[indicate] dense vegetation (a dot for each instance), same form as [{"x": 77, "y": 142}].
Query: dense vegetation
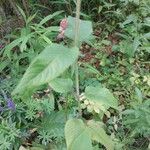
[{"x": 74, "y": 84}]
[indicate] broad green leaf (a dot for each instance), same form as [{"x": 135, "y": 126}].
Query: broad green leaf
[
  {"x": 76, "y": 135},
  {"x": 85, "y": 31},
  {"x": 98, "y": 134},
  {"x": 61, "y": 85},
  {"x": 101, "y": 96},
  {"x": 47, "y": 66}
]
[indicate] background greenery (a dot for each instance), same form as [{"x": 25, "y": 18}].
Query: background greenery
[{"x": 116, "y": 57}]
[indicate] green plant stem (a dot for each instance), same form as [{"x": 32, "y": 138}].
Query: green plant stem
[
  {"x": 77, "y": 80},
  {"x": 66, "y": 107},
  {"x": 76, "y": 43},
  {"x": 77, "y": 23}
]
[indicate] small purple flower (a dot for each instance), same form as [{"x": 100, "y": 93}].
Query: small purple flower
[{"x": 11, "y": 104}]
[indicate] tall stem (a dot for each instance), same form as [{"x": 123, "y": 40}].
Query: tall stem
[
  {"x": 77, "y": 22},
  {"x": 76, "y": 42}
]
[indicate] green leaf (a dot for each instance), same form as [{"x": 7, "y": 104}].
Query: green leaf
[
  {"x": 22, "y": 13},
  {"x": 4, "y": 64},
  {"x": 61, "y": 85},
  {"x": 25, "y": 39},
  {"x": 46, "y": 39},
  {"x": 76, "y": 135},
  {"x": 10, "y": 46},
  {"x": 98, "y": 134},
  {"x": 139, "y": 95},
  {"x": 131, "y": 18},
  {"x": 47, "y": 66},
  {"x": 90, "y": 69},
  {"x": 101, "y": 96},
  {"x": 85, "y": 31},
  {"x": 43, "y": 21},
  {"x": 127, "y": 47},
  {"x": 136, "y": 44},
  {"x": 30, "y": 18},
  {"x": 20, "y": 41},
  {"x": 147, "y": 35}
]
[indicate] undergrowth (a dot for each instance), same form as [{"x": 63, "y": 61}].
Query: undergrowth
[{"x": 73, "y": 84}]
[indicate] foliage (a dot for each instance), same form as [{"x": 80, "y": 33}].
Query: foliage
[
  {"x": 84, "y": 27},
  {"x": 137, "y": 118},
  {"x": 79, "y": 138},
  {"x": 58, "y": 93},
  {"x": 48, "y": 65}
]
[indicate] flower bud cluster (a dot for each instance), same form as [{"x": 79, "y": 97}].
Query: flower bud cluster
[
  {"x": 91, "y": 106},
  {"x": 63, "y": 26}
]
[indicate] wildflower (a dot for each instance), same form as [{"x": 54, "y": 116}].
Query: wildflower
[
  {"x": 63, "y": 24},
  {"x": 11, "y": 104},
  {"x": 63, "y": 27}
]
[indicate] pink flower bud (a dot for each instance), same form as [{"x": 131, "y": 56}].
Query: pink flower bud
[
  {"x": 62, "y": 28},
  {"x": 64, "y": 24}
]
